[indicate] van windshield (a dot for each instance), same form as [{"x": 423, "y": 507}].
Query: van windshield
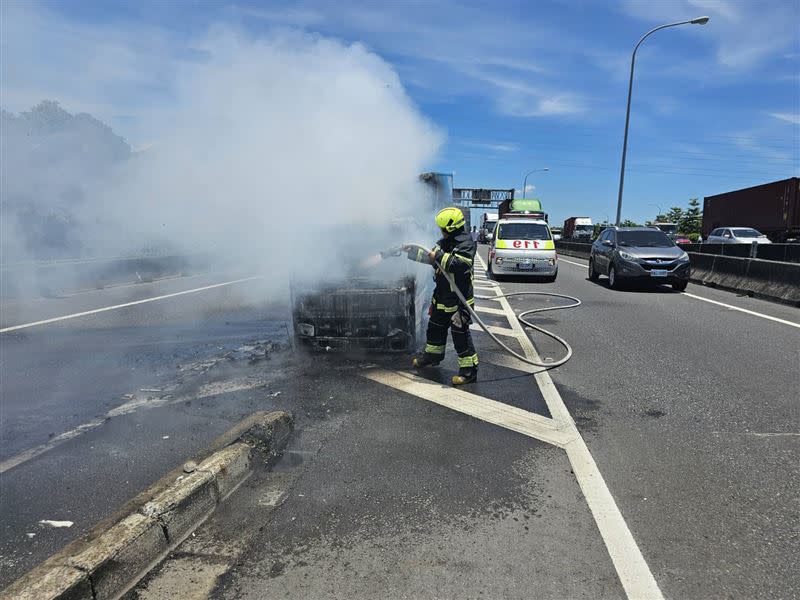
[{"x": 523, "y": 231}]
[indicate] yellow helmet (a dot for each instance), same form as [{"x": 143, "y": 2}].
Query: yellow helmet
[{"x": 449, "y": 219}]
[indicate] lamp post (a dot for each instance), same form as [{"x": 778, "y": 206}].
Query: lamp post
[
  {"x": 658, "y": 208},
  {"x": 697, "y": 21},
  {"x": 525, "y": 183}
]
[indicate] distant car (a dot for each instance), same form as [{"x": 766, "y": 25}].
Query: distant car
[
  {"x": 556, "y": 233},
  {"x": 737, "y": 235},
  {"x": 638, "y": 254},
  {"x": 682, "y": 240}
]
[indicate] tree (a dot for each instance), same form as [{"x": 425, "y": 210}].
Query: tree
[
  {"x": 629, "y": 223},
  {"x": 674, "y": 214},
  {"x": 691, "y": 220}
]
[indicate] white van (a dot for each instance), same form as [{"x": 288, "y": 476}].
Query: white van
[{"x": 523, "y": 247}]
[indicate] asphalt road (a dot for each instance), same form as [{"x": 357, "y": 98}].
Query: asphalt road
[
  {"x": 688, "y": 409},
  {"x": 96, "y": 408}
]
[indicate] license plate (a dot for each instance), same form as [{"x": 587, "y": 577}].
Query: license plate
[
  {"x": 658, "y": 273},
  {"x": 525, "y": 266}
]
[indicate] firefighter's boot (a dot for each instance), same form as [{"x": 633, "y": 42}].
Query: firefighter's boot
[
  {"x": 421, "y": 362},
  {"x": 466, "y": 376}
]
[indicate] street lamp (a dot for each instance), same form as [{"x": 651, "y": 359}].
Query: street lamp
[
  {"x": 658, "y": 208},
  {"x": 525, "y": 183},
  {"x": 697, "y": 21}
]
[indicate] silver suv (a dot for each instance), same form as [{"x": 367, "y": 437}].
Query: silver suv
[{"x": 638, "y": 254}]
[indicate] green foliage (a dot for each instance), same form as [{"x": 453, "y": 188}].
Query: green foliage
[
  {"x": 694, "y": 237},
  {"x": 629, "y": 223},
  {"x": 674, "y": 215},
  {"x": 692, "y": 219},
  {"x": 599, "y": 227}
]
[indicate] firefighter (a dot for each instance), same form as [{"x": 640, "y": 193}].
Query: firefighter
[{"x": 456, "y": 253}]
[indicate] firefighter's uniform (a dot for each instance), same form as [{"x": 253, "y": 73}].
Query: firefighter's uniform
[{"x": 456, "y": 253}]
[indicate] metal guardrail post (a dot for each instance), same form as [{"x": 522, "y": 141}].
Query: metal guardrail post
[{"x": 753, "y": 249}]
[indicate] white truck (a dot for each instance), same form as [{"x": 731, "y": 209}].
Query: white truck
[
  {"x": 577, "y": 228},
  {"x": 486, "y": 233}
]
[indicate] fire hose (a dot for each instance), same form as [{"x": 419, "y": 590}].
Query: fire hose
[{"x": 520, "y": 316}]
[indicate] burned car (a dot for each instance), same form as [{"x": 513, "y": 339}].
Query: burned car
[
  {"x": 372, "y": 305},
  {"x": 357, "y": 313}
]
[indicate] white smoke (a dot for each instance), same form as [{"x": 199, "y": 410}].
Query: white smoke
[{"x": 275, "y": 151}]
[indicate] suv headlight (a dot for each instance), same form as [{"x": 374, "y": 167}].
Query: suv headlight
[
  {"x": 683, "y": 257},
  {"x": 626, "y": 256}
]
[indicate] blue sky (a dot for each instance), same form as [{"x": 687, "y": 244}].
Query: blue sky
[{"x": 513, "y": 85}]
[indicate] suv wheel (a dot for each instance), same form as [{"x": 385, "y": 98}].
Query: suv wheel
[
  {"x": 593, "y": 274},
  {"x": 679, "y": 286},
  {"x": 613, "y": 282}
]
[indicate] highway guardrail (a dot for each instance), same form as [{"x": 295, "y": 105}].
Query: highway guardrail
[
  {"x": 769, "y": 279},
  {"x": 778, "y": 252}
]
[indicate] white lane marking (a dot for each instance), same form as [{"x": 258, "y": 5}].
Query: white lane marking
[
  {"x": 495, "y": 330},
  {"x": 491, "y": 311},
  {"x": 125, "y": 305},
  {"x": 572, "y": 263},
  {"x": 744, "y": 310},
  {"x": 501, "y": 359},
  {"x": 206, "y": 391},
  {"x": 27, "y": 455},
  {"x": 491, "y": 411},
  {"x": 632, "y": 569},
  {"x": 729, "y": 306}
]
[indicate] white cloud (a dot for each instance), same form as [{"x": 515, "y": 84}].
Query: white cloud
[
  {"x": 493, "y": 147},
  {"x": 528, "y": 188},
  {"x": 793, "y": 118},
  {"x": 447, "y": 48}
]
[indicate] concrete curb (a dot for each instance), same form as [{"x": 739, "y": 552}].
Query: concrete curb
[{"x": 120, "y": 551}]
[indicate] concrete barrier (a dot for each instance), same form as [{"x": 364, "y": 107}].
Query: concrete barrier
[
  {"x": 576, "y": 249},
  {"x": 772, "y": 280},
  {"x": 119, "y": 552},
  {"x": 777, "y": 252},
  {"x": 768, "y": 279}
]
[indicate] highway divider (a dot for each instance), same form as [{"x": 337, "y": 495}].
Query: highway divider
[
  {"x": 778, "y": 252},
  {"x": 54, "y": 277},
  {"x": 117, "y": 553},
  {"x": 769, "y": 279}
]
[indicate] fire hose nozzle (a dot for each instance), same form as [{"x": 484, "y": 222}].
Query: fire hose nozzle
[{"x": 392, "y": 252}]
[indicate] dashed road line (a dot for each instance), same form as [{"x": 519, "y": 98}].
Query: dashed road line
[{"x": 124, "y": 305}]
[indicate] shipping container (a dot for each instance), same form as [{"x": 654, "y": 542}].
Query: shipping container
[{"x": 772, "y": 208}]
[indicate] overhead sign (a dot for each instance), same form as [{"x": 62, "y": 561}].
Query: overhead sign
[{"x": 480, "y": 196}]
